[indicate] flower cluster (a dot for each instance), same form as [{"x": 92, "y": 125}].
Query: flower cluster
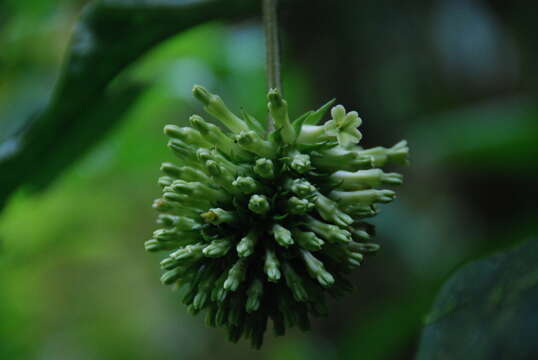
[{"x": 262, "y": 225}]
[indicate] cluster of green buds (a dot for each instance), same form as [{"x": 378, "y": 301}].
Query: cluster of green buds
[{"x": 261, "y": 224}]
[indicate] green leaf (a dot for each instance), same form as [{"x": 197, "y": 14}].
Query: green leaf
[
  {"x": 386, "y": 328},
  {"x": 252, "y": 122},
  {"x": 500, "y": 135},
  {"x": 105, "y": 115},
  {"x": 275, "y": 136},
  {"x": 298, "y": 123},
  {"x": 487, "y": 310},
  {"x": 317, "y": 146},
  {"x": 314, "y": 117},
  {"x": 110, "y": 35}
]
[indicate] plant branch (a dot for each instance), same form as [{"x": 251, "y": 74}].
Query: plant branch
[{"x": 272, "y": 54}]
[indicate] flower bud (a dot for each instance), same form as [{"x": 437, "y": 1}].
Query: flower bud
[
  {"x": 250, "y": 141},
  {"x": 171, "y": 170},
  {"x": 246, "y": 184},
  {"x": 364, "y": 179},
  {"x": 360, "y": 234},
  {"x": 331, "y": 233},
  {"x": 215, "y": 107},
  {"x": 299, "y": 162},
  {"x": 187, "y": 135},
  {"x": 282, "y": 235},
  {"x": 278, "y": 108},
  {"x": 165, "y": 235},
  {"x": 295, "y": 283},
  {"x": 165, "y": 181},
  {"x": 198, "y": 190},
  {"x": 218, "y": 294},
  {"x": 271, "y": 266},
  {"x": 188, "y": 252},
  {"x": 245, "y": 247},
  {"x": 153, "y": 245},
  {"x": 329, "y": 211},
  {"x": 171, "y": 276},
  {"x": 313, "y": 134},
  {"x": 264, "y": 168},
  {"x": 364, "y": 197},
  {"x": 338, "y": 158},
  {"x": 217, "y": 248},
  {"x": 364, "y": 247},
  {"x": 204, "y": 292},
  {"x": 236, "y": 275},
  {"x": 186, "y": 223},
  {"x": 162, "y": 205},
  {"x": 259, "y": 204},
  {"x": 299, "y": 206},
  {"x": 308, "y": 240},
  {"x": 221, "y": 176},
  {"x": 398, "y": 154},
  {"x": 218, "y": 138},
  {"x": 316, "y": 269},
  {"x": 300, "y": 187},
  {"x": 217, "y": 216},
  {"x": 254, "y": 294}
]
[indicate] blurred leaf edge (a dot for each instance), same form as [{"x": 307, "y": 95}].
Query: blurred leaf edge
[
  {"x": 482, "y": 305},
  {"x": 102, "y": 45}
]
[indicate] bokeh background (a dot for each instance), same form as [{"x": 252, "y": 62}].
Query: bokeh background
[{"x": 456, "y": 78}]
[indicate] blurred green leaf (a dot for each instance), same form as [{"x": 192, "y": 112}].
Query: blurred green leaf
[
  {"x": 314, "y": 117},
  {"x": 86, "y": 132},
  {"x": 389, "y": 327},
  {"x": 502, "y": 134},
  {"x": 110, "y": 35},
  {"x": 486, "y": 310}
]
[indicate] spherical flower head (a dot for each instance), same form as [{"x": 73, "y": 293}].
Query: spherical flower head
[{"x": 262, "y": 226}]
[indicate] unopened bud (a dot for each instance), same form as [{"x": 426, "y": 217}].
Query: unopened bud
[
  {"x": 271, "y": 266},
  {"x": 251, "y": 141},
  {"x": 300, "y": 162},
  {"x": 236, "y": 275},
  {"x": 216, "y": 107},
  {"x": 308, "y": 240},
  {"x": 254, "y": 294},
  {"x": 259, "y": 204},
  {"x": 264, "y": 168},
  {"x": 217, "y": 248},
  {"x": 299, "y": 206},
  {"x": 282, "y": 235},
  {"x": 246, "y": 245},
  {"x": 217, "y": 216},
  {"x": 245, "y": 184}
]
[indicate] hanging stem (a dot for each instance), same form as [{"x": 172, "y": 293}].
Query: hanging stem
[{"x": 272, "y": 54}]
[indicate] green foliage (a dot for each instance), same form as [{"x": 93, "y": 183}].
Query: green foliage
[
  {"x": 499, "y": 135},
  {"x": 486, "y": 310},
  {"x": 94, "y": 59}
]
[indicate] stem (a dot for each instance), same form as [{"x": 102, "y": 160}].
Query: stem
[{"x": 272, "y": 55}]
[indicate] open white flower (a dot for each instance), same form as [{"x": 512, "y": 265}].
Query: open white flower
[{"x": 344, "y": 126}]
